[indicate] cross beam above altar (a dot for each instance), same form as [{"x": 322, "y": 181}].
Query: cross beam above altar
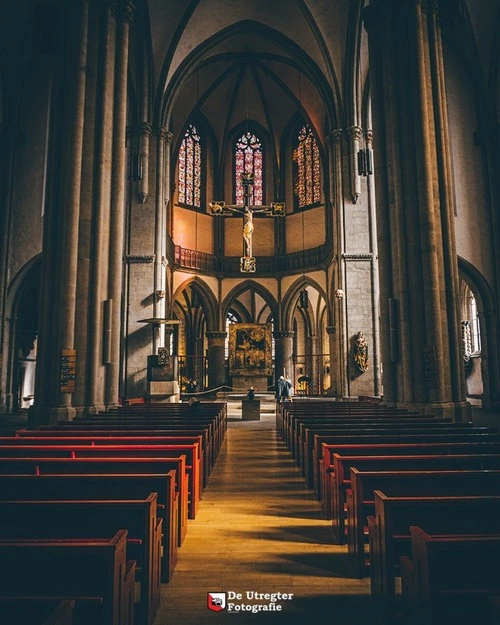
[{"x": 275, "y": 209}]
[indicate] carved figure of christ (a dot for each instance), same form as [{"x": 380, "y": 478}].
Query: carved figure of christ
[{"x": 275, "y": 209}]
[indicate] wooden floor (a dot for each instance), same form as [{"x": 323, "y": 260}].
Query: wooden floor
[{"x": 259, "y": 529}]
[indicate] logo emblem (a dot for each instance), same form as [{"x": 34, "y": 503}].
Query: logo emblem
[{"x": 216, "y": 601}]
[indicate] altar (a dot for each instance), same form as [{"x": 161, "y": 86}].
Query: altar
[{"x": 250, "y": 357}]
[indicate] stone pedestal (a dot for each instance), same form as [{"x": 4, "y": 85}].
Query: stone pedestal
[
  {"x": 163, "y": 391},
  {"x": 250, "y": 409}
]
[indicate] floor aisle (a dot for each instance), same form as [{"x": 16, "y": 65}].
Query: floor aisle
[{"x": 260, "y": 529}]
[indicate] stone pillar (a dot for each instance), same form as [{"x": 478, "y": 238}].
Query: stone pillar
[
  {"x": 60, "y": 253},
  {"x": 354, "y": 134},
  {"x": 123, "y": 10},
  {"x": 313, "y": 356},
  {"x": 167, "y": 183},
  {"x": 100, "y": 207},
  {"x": 216, "y": 359},
  {"x": 144, "y": 132},
  {"x": 334, "y": 364},
  {"x": 418, "y": 264},
  {"x": 339, "y": 316},
  {"x": 283, "y": 354},
  {"x": 375, "y": 278},
  {"x": 159, "y": 308}
]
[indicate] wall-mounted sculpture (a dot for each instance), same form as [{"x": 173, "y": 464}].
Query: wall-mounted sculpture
[{"x": 361, "y": 352}]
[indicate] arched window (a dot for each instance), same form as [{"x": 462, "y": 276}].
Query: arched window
[
  {"x": 189, "y": 181},
  {"x": 249, "y": 157},
  {"x": 307, "y": 180}
]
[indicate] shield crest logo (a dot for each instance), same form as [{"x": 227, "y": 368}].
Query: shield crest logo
[{"x": 216, "y": 601}]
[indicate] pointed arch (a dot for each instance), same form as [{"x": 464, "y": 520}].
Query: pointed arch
[
  {"x": 255, "y": 287},
  {"x": 206, "y": 298},
  {"x": 488, "y": 315},
  {"x": 291, "y": 298}
]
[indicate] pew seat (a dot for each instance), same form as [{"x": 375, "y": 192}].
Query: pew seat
[
  {"x": 449, "y": 579},
  {"x": 72, "y": 569}
]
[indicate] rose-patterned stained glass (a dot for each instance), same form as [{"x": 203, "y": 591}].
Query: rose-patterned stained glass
[
  {"x": 189, "y": 179},
  {"x": 249, "y": 158},
  {"x": 307, "y": 183}
]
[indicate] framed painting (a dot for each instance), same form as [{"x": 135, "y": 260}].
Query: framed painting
[{"x": 250, "y": 349}]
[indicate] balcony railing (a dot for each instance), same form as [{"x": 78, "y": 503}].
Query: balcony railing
[{"x": 186, "y": 259}]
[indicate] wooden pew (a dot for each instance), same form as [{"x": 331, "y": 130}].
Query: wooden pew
[
  {"x": 95, "y": 568},
  {"x": 288, "y": 413},
  {"x": 305, "y": 444},
  {"x": 340, "y": 476},
  {"x": 108, "y": 466},
  {"x": 118, "y": 451},
  {"x": 106, "y": 487},
  {"x": 146, "y": 435},
  {"x": 36, "y": 611},
  {"x": 389, "y": 535},
  {"x": 315, "y": 437},
  {"x": 360, "y": 502},
  {"x": 67, "y": 519},
  {"x": 195, "y": 439},
  {"x": 450, "y": 578},
  {"x": 326, "y": 465}
]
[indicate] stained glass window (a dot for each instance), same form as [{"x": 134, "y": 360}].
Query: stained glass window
[
  {"x": 249, "y": 157},
  {"x": 189, "y": 182},
  {"x": 307, "y": 183}
]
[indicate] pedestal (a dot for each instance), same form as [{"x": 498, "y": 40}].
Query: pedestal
[
  {"x": 163, "y": 391},
  {"x": 250, "y": 409}
]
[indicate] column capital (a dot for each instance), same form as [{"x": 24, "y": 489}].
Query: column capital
[
  {"x": 165, "y": 134},
  {"x": 216, "y": 335},
  {"x": 123, "y": 10},
  {"x": 285, "y": 334},
  {"x": 335, "y": 136},
  {"x": 331, "y": 330},
  {"x": 369, "y": 138},
  {"x": 355, "y": 132},
  {"x": 144, "y": 128}
]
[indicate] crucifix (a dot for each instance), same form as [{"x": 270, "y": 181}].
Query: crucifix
[{"x": 275, "y": 209}]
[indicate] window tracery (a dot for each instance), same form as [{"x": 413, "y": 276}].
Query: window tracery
[
  {"x": 189, "y": 175},
  {"x": 307, "y": 177}
]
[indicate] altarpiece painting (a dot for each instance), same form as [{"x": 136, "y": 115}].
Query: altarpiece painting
[{"x": 250, "y": 349}]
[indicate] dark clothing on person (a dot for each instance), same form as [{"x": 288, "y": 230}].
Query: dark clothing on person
[{"x": 283, "y": 387}]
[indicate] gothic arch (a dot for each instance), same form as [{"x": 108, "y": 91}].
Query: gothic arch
[
  {"x": 255, "y": 287},
  {"x": 206, "y": 299},
  {"x": 292, "y": 295},
  {"x": 166, "y": 93},
  {"x": 488, "y": 316},
  {"x": 23, "y": 330}
]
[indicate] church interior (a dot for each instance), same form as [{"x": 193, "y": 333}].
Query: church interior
[{"x": 201, "y": 199}]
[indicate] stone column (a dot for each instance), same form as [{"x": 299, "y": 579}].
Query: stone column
[
  {"x": 414, "y": 210},
  {"x": 159, "y": 307},
  {"x": 340, "y": 344},
  {"x": 216, "y": 359},
  {"x": 377, "y": 378},
  {"x": 283, "y": 354},
  {"x": 99, "y": 222},
  {"x": 354, "y": 134},
  {"x": 166, "y": 182},
  {"x": 313, "y": 357},
  {"x": 334, "y": 364},
  {"x": 60, "y": 254},
  {"x": 144, "y": 132},
  {"x": 123, "y": 10}
]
